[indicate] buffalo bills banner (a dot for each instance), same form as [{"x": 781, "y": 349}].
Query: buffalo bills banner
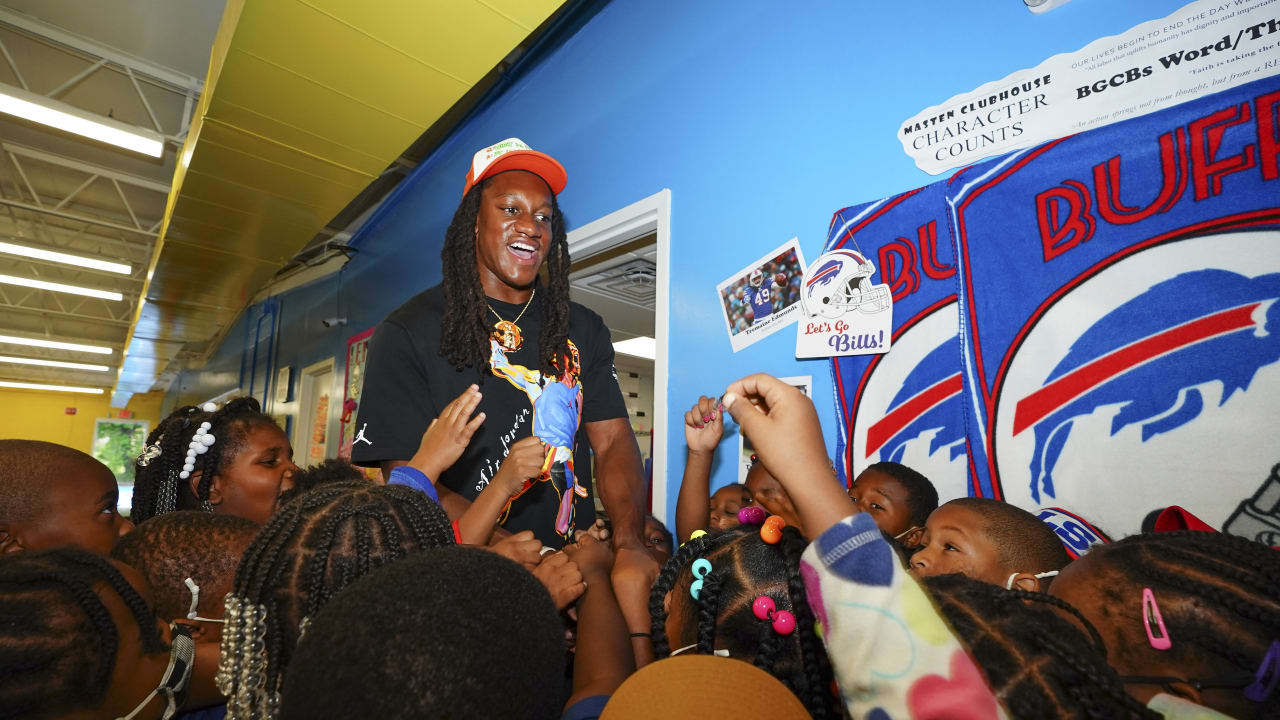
[
  {"x": 1204, "y": 47},
  {"x": 905, "y": 406},
  {"x": 1113, "y": 320}
]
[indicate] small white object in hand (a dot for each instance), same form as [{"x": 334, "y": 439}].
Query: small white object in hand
[{"x": 209, "y": 407}]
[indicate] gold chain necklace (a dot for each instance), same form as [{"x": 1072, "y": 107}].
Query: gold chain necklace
[{"x": 507, "y": 332}]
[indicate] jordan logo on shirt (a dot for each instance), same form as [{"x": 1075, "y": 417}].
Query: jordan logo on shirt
[{"x": 360, "y": 436}]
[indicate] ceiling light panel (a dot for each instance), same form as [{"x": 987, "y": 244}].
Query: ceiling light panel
[
  {"x": 59, "y": 287},
  {"x": 54, "y": 344},
  {"x": 52, "y": 363},
  {"x": 64, "y": 258},
  {"x": 645, "y": 347},
  {"x": 39, "y": 109},
  {"x": 55, "y": 388}
]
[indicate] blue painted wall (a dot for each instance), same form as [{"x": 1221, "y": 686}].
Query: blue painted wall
[{"x": 762, "y": 118}]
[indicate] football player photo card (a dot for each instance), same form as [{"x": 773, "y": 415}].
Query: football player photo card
[
  {"x": 746, "y": 453},
  {"x": 763, "y": 297},
  {"x": 844, "y": 311}
]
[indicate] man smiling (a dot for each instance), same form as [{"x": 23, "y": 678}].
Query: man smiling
[{"x": 543, "y": 363}]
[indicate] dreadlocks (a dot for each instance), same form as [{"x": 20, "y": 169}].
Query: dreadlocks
[
  {"x": 464, "y": 337},
  {"x": 744, "y": 567},
  {"x": 58, "y": 642},
  {"x": 158, "y": 489},
  {"x": 1219, "y": 596},
  {"x": 1037, "y": 661},
  {"x": 312, "y": 548}
]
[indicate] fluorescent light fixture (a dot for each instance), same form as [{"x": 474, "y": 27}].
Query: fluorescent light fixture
[
  {"x": 59, "y": 287},
  {"x": 52, "y": 363},
  {"x": 56, "y": 388},
  {"x": 645, "y": 347},
  {"x": 54, "y": 344},
  {"x": 51, "y": 256},
  {"x": 57, "y": 114}
]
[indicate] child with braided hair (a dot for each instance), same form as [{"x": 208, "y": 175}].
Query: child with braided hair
[
  {"x": 1192, "y": 615},
  {"x": 234, "y": 460},
  {"x": 716, "y": 595},
  {"x": 316, "y": 545},
  {"x": 1040, "y": 656},
  {"x": 79, "y": 639}
]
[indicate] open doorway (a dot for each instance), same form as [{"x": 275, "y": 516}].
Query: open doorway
[{"x": 620, "y": 271}]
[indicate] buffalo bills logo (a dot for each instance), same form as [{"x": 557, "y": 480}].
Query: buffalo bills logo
[
  {"x": 824, "y": 276},
  {"x": 1150, "y": 355},
  {"x": 1152, "y": 381},
  {"x": 911, "y": 407},
  {"x": 928, "y": 403}
]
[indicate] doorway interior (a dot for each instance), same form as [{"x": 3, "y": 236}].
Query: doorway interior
[{"x": 620, "y": 270}]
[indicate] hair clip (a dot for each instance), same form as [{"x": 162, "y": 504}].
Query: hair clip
[
  {"x": 200, "y": 443},
  {"x": 1150, "y": 614},
  {"x": 195, "y": 600},
  {"x": 784, "y": 623},
  {"x": 771, "y": 530},
  {"x": 703, "y": 565},
  {"x": 149, "y": 453},
  {"x": 751, "y": 515},
  {"x": 1268, "y": 675},
  {"x": 697, "y": 534},
  {"x": 1008, "y": 584}
]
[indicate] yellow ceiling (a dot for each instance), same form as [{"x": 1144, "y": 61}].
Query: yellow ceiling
[{"x": 306, "y": 103}]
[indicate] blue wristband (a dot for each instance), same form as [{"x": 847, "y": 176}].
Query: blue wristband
[{"x": 414, "y": 478}]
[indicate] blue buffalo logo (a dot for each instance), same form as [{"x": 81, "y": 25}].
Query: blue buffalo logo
[
  {"x": 1149, "y": 355},
  {"x": 825, "y": 275},
  {"x": 928, "y": 400}
]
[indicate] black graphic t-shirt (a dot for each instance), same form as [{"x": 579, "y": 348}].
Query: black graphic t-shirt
[{"x": 407, "y": 384}]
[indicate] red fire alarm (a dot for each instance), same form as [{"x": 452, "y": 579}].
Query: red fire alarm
[
  {"x": 70, "y": 411},
  {"x": 124, "y": 414}
]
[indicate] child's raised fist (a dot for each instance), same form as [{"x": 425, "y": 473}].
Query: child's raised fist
[
  {"x": 594, "y": 558},
  {"x": 562, "y": 578},
  {"x": 522, "y": 465}
]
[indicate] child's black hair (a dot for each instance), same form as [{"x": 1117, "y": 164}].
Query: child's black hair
[
  {"x": 1219, "y": 596},
  {"x": 310, "y": 550},
  {"x": 922, "y": 496},
  {"x": 329, "y": 472},
  {"x": 456, "y": 633},
  {"x": 169, "y": 548},
  {"x": 26, "y": 467},
  {"x": 1025, "y": 542},
  {"x": 745, "y": 567},
  {"x": 158, "y": 489},
  {"x": 58, "y": 642},
  {"x": 1037, "y": 662}
]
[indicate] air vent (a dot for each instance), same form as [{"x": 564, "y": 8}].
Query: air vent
[{"x": 632, "y": 282}]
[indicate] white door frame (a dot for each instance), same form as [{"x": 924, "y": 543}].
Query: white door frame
[
  {"x": 650, "y": 215},
  {"x": 302, "y": 429}
]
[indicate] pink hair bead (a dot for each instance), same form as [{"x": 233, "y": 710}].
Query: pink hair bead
[
  {"x": 784, "y": 623},
  {"x": 751, "y": 515},
  {"x": 763, "y": 607}
]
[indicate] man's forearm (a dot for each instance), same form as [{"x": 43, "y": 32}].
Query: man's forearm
[{"x": 622, "y": 491}]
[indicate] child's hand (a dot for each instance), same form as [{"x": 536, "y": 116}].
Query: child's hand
[
  {"x": 448, "y": 435},
  {"x": 521, "y": 547},
  {"x": 597, "y": 531},
  {"x": 562, "y": 578},
  {"x": 783, "y": 427},
  {"x": 523, "y": 463},
  {"x": 594, "y": 559},
  {"x": 703, "y": 426}
]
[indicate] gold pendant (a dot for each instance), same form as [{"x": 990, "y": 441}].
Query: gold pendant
[{"x": 507, "y": 334}]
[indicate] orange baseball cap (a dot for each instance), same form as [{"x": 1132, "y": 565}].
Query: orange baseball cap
[{"x": 514, "y": 154}]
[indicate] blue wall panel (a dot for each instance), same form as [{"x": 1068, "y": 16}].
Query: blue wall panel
[{"x": 762, "y": 118}]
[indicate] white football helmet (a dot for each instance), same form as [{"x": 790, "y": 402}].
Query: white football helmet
[
  {"x": 757, "y": 278},
  {"x": 840, "y": 281}
]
